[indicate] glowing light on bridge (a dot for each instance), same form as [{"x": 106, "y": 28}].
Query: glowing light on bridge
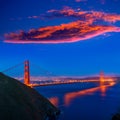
[{"x": 102, "y": 79}]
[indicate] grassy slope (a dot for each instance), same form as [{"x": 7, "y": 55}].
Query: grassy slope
[{"x": 19, "y": 102}]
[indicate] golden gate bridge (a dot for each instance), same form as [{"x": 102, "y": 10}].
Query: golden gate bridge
[{"x": 54, "y": 80}]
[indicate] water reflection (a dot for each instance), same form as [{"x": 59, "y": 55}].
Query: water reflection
[
  {"x": 54, "y": 100},
  {"x": 69, "y": 97}
]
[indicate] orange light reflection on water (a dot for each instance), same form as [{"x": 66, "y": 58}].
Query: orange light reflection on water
[
  {"x": 54, "y": 100},
  {"x": 69, "y": 97}
]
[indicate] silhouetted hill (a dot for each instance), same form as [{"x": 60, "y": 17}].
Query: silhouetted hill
[
  {"x": 20, "y": 102},
  {"x": 116, "y": 117}
]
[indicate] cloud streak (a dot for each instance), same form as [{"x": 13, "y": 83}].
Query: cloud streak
[
  {"x": 83, "y": 15},
  {"x": 86, "y": 25}
]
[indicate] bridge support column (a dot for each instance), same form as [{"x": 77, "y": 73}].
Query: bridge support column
[
  {"x": 26, "y": 73},
  {"x": 102, "y": 78}
]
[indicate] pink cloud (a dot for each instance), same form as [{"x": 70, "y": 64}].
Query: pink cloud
[
  {"x": 64, "y": 33},
  {"x": 87, "y": 24}
]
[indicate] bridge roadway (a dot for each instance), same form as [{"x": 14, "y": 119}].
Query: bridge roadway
[{"x": 69, "y": 82}]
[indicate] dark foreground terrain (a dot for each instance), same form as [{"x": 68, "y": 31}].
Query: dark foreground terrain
[
  {"x": 19, "y": 102},
  {"x": 116, "y": 117}
]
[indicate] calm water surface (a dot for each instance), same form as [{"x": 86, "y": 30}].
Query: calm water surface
[{"x": 84, "y": 101}]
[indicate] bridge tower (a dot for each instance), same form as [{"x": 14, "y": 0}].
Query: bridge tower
[
  {"x": 102, "y": 80},
  {"x": 26, "y": 73}
]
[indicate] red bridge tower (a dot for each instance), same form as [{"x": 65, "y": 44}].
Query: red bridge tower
[{"x": 26, "y": 73}]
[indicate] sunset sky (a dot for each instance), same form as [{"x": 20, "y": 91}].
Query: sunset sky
[{"x": 66, "y": 37}]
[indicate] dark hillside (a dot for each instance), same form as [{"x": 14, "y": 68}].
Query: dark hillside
[{"x": 20, "y": 102}]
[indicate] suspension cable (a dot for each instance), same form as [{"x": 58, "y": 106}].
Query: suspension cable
[{"x": 12, "y": 67}]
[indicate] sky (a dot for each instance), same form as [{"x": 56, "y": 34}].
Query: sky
[{"x": 66, "y": 37}]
